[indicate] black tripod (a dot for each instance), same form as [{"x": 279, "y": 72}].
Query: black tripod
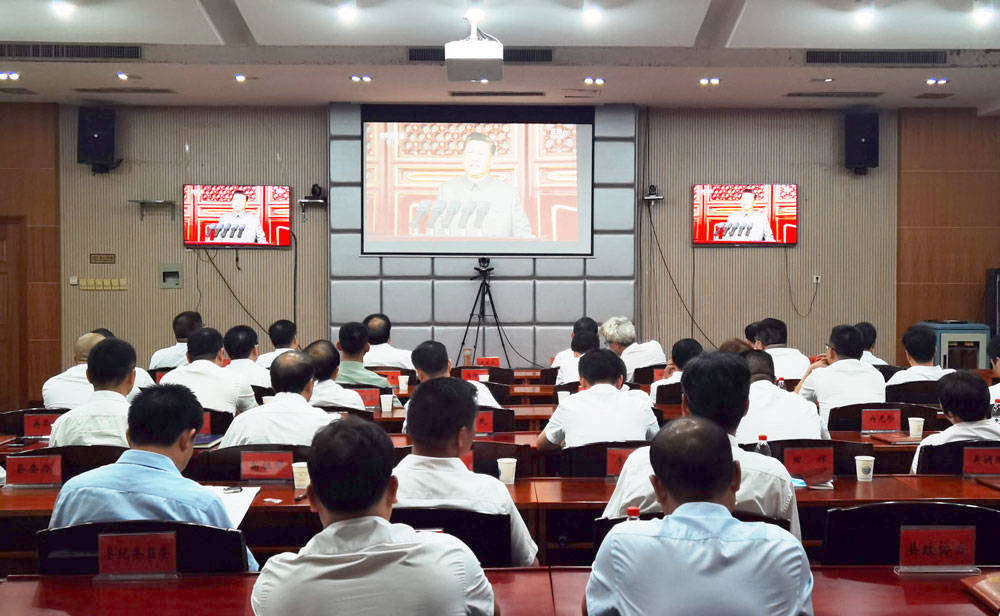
[{"x": 479, "y": 313}]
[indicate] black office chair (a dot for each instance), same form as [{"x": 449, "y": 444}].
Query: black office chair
[
  {"x": 887, "y": 370},
  {"x": 12, "y": 422},
  {"x": 218, "y": 421},
  {"x": 547, "y": 376},
  {"x": 259, "y": 393},
  {"x": 412, "y": 374},
  {"x": 501, "y": 375},
  {"x": 498, "y": 420},
  {"x": 585, "y": 461},
  {"x": 500, "y": 392},
  {"x": 224, "y": 464},
  {"x": 645, "y": 375},
  {"x": 381, "y": 390},
  {"x": 76, "y": 459},
  {"x": 669, "y": 394},
  {"x": 843, "y": 451},
  {"x": 848, "y": 418},
  {"x": 157, "y": 373},
  {"x": 914, "y": 392},
  {"x": 72, "y": 550},
  {"x": 486, "y": 453},
  {"x": 572, "y": 387},
  {"x": 949, "y": 458},
  {"x": 487, "y": 535},
  {"x": 347, "y": 410}
]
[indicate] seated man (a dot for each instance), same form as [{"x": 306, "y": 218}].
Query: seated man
[
  {"x": 569, "y": 368},
  {"x": 240, "y": 343},
  {"x": 103, "y": 418},
  {"x": 993, "y": 353},
  {"x": 215, "y": 388},
  {"x": 840, "y": 379},
  {"x": 619, "y": 333},
  {"x": 360, "y": 563},
  {"x": 381, "y": 352},
  {"x": 584, "y": 324},
  {"x": 288, "y": 419},
  {"x": 774, "y": 412},
  {"x": 683, "y": 351},
  {"x": 146, "y": 483},
  {"x": 284, "y": 337},
  {"x": 326, "y": 392},
  {"x": 920, "y": 344},
  {"x": 870, "y": 334},
  {"x": 716, "y": 387},
  {"x": 71, "y": 388},
  {"x": 430, "y": 359},
  {"x": 965, "y": 401},
  {"x": 750, "y": 333},
  {"x": 772, "y": 336},
  {"x": 698, "y": 559},
  {"x": 173, "y": 356},
  {"x": 601, "y": 411},
  {"x": 441, "y": 420},
  {"x": 352, "y": 342}
]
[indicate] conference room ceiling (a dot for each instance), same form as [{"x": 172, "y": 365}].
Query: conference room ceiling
[{"x": 650, "y": 52}]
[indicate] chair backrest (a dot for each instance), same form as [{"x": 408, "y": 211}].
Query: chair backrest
[
  {"x": 547, "y": 376},
  {"x": 572, "y": 387},
  {"x": 200, "y": 549},
  {"x": 644, "y": 375},
  {"x": 402, "y": 452},
  {"x": 260, "y": 392},
  {"x": 218, "y": 421},
  {"x": 843, "y": 451},
  {"x": 869, "y": 534},
  {"x": 500, "y": 420},
  {"x": 157, "y": 373},
  {"x": 587, "y": 460},
  {"x": 887, "y": 370},
  {"x": 12, "y": 422},
  {"x": 407, "y": 371},
  {"x": 76, "y": 459},
  {"x": 669, "y": 394},
  {"x": 224, "y": 464},
  {"x": 486, "y": 453},
  {"x": 500, "y": 392},
  {"x": 347, "y": 410},
  {"x": 791, "y": 384},
  {"x": 914, "y": 392},
  {"x": 848, "y": 418},
  {"x": 501, "y": 375},
  {"x": 381, "y": 390},
  {"x": 949, "y": 458},
  {"x": 487, "y": 535}
]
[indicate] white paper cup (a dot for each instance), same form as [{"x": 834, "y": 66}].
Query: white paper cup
[
  {"x": 562, "y": 395},
  {"x": 301, "y": 475},
  {"x": 267, "y": 399},
  {"x": 404, "y": 383},
  {"x": 507, "y": 469},
  {"x": 916, "y": 427},
  {"x": 483, "y": 378},
  {"x": 865, "y": 466},
  {"x": 386, "y": 401}
]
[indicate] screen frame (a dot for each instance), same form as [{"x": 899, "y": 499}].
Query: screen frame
[
  {"x": 479, "y": 114},
  {"x": 798, "y": 203},
  {"x": 231, "y": 246}
]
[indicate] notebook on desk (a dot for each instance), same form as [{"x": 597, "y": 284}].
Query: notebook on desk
[
  {"x": 206, "y": 441},
  {"x": 986, "y": 588},
  {"x": 897, "y": 438}
]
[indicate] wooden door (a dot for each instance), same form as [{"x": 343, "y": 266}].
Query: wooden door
[{"x": 12, "y": 368}]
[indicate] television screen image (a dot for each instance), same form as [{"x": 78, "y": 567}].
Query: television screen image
[
  {"x": 745, "y": 214},
  {"x": 234, "y": 215}
]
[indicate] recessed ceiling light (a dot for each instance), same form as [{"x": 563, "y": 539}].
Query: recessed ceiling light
[
  {"x": 240, "y": 77},
  {"x": 484, "y": 81},
  {"x": 62, "y": 9},
  {"x": 588, "y": 81},
  {"x": 828, "y": 80},
  {"x": 366, "y": 78},
  {"x": 714, "y": 81},
  {"x": 592, "y": 15},
  {"x": 122, "y": 76},
  {"x": 983, "y": 12},
  {"x": 14, "y": 76},
  {"x": 3, "y": 76},
  {"x": 864, "y": 15},
  {"x": 932, "y": 82},
  {"x": 599, "y": 81},
  {"x": 709, "y": 81},
  {"x": 475, "y": 15},
  {"x": 703, "y": 81},
  {"x": 937, "y": 81},
  {"x": 347, "y": 12},
  {"x": 356, "y": 78},
  {"x": 942, "y": 81}
]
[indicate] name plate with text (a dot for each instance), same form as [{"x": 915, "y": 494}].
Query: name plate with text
[
  {"x": 34, "y": 470},
  {"x": 206, "y": 424},
  {"x": 813, "y": 464},
  {"x": 493, "y": 362},
  {"x": 137, "y": 554},
  {"x": 527, "y": 374},
  {"x": 616, "y": 460},
  {"x": 523, "y": 390},
  {"x": 390, "y": 375},
  {"x": 659, "y": 374},
  {"x": 467, "y": 459},
  {"x": 881, "y": 420},
  {"x": 473, "y": 374},
  {"x": 39, "y": 424},
  {"x": 981, "y": 461},
  {"x": 484, "y": 422},
  {"x": 268, "y": 465},
  {"x": 370, "y": 397},
  {"x": 929, "y": 548}
]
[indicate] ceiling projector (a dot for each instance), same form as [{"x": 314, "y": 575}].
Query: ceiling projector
[{"x": 476, "y": 58}]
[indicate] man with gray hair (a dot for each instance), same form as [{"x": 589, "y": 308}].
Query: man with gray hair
[{"x": 619, "y": 334}]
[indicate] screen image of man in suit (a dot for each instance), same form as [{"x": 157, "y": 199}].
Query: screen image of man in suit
[
  {"x": 239, "y": 225},
  {"x": 749, "y": 224}
]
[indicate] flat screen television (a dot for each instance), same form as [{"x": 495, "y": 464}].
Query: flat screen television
[
  {"x": 745, "y": 214},
  {"x": 237, "y": 216}
]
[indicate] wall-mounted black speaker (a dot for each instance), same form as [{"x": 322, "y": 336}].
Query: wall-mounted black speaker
[
  {"x": 861, "y": 142},
  {"x": 95, "y": 136}
]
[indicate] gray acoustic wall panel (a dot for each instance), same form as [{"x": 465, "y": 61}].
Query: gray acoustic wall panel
[
  {"x": 345, "y": 160},
  {"x": 613, "y": 256},
  {"x": 407, "y": 301},
  {"x": 345, "y": 208},
  {"x": 559, "y": 268},
  {"x": 550, "y": 340},
  {"x": 614, "y": 209},
  {"x": 344, "y": 259},
  {"x": 560, "y": 301},
  {"x": 405, "y": 266},
  {"x": 351, "y": 300}
]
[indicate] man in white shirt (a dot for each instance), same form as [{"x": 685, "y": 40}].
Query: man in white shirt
[
  {"x": 569, "y": 368},
  {"x": 965, "y": 401},
  {"x": 716, "y": 387},
  {"x": 993, "y": 352},
  {"x": 326, "y": 391},
  {"x": 288, "y": 419},
  {"x": 776, "y": 413},
  {"x": 360, "y": 563},
  {"x": 240, "y": 343},
  {"x": 381, "y": 353},
  {"x": 869, "y": 334},
  {"x": 441, "y": 422},
  {"x": 176, "y": 355},
  {"x": 601, "y": 411},
  {"x": 71, "y": 388},
  {"x": 284, "y": 337},
  {"x": 683, "y": 351},
  {"x": 698, "y": 559},
  {"x": 920, "y": 344},
  {"x": 772, "y": 336},
  {"x": 214, "y": 387},
  {"x": 583, "y": 324},
  {"x": 103, "y": 418},
  {"x": 619, "y": 334},
  {"x": 430, "y": 359},
  {"x": 840, "y": 379}
]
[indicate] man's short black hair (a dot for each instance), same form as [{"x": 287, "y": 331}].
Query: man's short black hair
[
  {"x": 584, "y": 342},
  {"x": 325, "y": 358},
  {"x": 750, "y": 331},
  {"x": 920, "y": 342},
  {"x": 282, "y": 333},
  {"x": 430, "y": 357},
  {"x": 291, "y": 372},
  {"x": 717, "y": 386},
  {"x": 684, "y": 350},
  {"x": 438, "y": 409},
  {"x": 693, "y": 459},
  {"x": 185, "y": 323},
  {"x": 760, "y": 362},
  {"x": 353, "y": 337},
  {"x": 110, "y": 362},
  {"x": 103, "y": 331},
  {"x": 204, "y": 343},
  {"x": 772, "y": 331},
  {"x": 240, "y": 341},
  {"x": 846, "y": 340},
  {"x": 350, "y": 464},
  {"x": 585, "y": 324},
  {"x": 964, "y": 395},
  {"x": 868, "y": 333},
  {"x": 602, "y": 366},
  {"x": 379, "y": 327},
  {"x": 159, "y": 414},
  {"x": 993, "y": 348}
]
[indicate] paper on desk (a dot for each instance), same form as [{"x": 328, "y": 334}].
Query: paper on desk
[{"x": 236, "y": 503}]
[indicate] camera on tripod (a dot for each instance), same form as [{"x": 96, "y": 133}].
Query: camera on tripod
[{"x": 484, "y": 267}]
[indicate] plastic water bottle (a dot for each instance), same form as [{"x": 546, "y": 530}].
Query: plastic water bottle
[
  {"x": 632, "y": 513},
  {"x": 995, "y": 411},
  {"x": 762, "y": 447},
  {"x": 781, "y": 384}
]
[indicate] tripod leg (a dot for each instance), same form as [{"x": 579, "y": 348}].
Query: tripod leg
[
  {"x": 476, "y": 303},
  {"x": 493, "y": 311}
]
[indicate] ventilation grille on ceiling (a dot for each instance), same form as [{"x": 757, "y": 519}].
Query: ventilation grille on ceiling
[
  {"x": 114, "y": 90},
  {"x": 834, "y": 94},
  {"x": 522, "y": 55},
  {"x": 580, "y": 93},
  {"x": 483, "y": 94},
  {"x": 877, "y": 57},
  {"x": 47, "y": 51},
  {"x": 935, "y": 95},
  {"x": 19, "y": 91}
]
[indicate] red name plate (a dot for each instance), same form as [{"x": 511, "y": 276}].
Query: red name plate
[
  {"x": 659, "y": 374},
  {"x": 467, "y": 459},
  {"x": 266, "y": 465},
  {"x": 206, "y": 424},
  {"x": 813, "y": 464},
  {"x": 369, "y": 396},
  {"x": 34, "y": 470},
  {"x": 881, "y": 420},
  {"x": 391, "y": 375},
  {"x": 39, "y": 424},
  {"x": 527, "y": 374},
  {"x": 937, "y": 546},
  {"x": 488, "y": 361},
  {"x": 137, "y": 554},
  {"x": 484, "y": 422},
  {"x": 981, "y": 461},
  {"x": 472, "y": 374},
  {"x": 616, "y": 460}
]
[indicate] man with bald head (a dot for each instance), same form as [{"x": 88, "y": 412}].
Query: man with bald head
[
  {"x": 71, "y": 388},
  {"x": 288, "y": 419},
  {"x": 326, "y": 390}
]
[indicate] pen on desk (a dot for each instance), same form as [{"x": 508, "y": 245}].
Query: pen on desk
[{"x": 300, "y": 497}]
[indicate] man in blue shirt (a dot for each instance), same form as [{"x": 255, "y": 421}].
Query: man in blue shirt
[
  {"x": 146, "y": 483},
  {"x": 698, "y": 559}
]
